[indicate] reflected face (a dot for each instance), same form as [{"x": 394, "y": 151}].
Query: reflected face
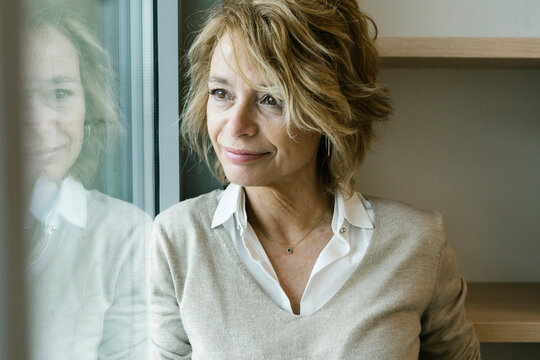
[
  {"x": 54, "y": 120},
  {"x": 247, "y": 127}
]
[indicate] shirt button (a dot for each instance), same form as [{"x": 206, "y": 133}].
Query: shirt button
[
  {"x": 343, "y": 230},
  {"x": 238, "y": 227}
]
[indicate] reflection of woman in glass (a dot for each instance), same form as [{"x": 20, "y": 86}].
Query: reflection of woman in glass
[{"x": 86, "y": 250}]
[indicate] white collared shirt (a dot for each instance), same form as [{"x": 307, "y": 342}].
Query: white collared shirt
[
  {"x": 69, "y": 201},
  {"x": 50, "y": 203},
  {"x": 352, "y": 225}
]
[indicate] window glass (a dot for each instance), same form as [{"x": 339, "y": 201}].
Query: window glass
[{"x": 88, "y": 164}]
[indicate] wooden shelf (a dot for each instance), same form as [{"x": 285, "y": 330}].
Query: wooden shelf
[
  {"x": 505, "y": 312},
  {"x": 425, "y": 51}
]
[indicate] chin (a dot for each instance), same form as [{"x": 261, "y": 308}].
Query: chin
[
  {"x": 245, "y": 180},
  {"x": 52, "y": 175}
]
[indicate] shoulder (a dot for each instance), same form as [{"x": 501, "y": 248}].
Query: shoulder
[
  {"x": 405, "y": 229},
  {"x": 189, "y": 214},
  {"x": 116, "y": 216},
  {"x": 391, "y": 213},
  {"x": 411, "y": 240},
  {"x": 97, "y": 199},
  {"x": 183, "y": 230},
  {"x": 114, "y": 208},
  {"x": 200, "y": 208}
]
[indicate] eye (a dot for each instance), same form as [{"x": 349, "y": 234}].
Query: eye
[
  {"x": 62, "y": 94},
  {"x": 55, "y": 97},
  {"x": 271, "y": 101},
  {"x": 220, "y": 94}
]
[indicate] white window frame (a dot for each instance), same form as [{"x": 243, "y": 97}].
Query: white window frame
[{"x": 168, "y": 106}]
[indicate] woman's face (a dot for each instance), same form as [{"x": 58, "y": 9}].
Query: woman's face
[
  {"x": 247, "y": 127},
  {"x": 54, "y": 121}
]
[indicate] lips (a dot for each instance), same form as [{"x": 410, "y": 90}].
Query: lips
[
  {"x": 242, "y": 155},
  {"x": 45, "y": 152}
]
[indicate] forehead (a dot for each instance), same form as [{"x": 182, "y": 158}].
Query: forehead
[
  {"x": 231, "y": 59},
  {"x": 49, "y": 54}
]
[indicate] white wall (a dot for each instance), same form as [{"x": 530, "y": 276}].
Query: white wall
[{"x": 505, "y": 18}]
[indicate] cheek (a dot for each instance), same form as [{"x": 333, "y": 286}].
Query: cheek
[
  {"x": 299, "y": 144},
  {"x": 75, "y": 130},
  {"x": 75, "y": 133},
  {"x": 212, "y": 126},
  {"x": 304, "y": 148},
  {"x": 80, "y": 117},
  {"x": 80, "y": 134}
]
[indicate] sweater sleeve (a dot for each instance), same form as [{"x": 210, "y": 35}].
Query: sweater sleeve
[
  {"x": 446, "y": 331},
  {"x": 168, "y": 339}
]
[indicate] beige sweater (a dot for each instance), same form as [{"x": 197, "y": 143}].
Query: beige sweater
[{"x": 404, "y": 301}]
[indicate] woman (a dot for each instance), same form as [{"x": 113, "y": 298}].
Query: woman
[
  {"x": 289, "y": 262},
  {"x": 86, "y": 250}
]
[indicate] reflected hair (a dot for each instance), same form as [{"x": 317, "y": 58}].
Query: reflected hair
[
  {"x": 102, "y": 121},
  {"x": 318, "y": 57}
]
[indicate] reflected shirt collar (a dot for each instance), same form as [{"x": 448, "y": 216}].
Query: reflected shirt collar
[
  {"x": 351, "y": 209},
  {"x": 69, "y": 202}
]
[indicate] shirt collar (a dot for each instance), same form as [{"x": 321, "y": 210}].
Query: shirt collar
[
  {"x": 352, "y": 209},
  {"x": 69, "y": 202},
  {"x": 229, "y": 204},
  {"x": 72, "y": 202}
]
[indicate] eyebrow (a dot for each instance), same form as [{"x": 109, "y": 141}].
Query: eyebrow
[
  {"x": 63, "y": 79},
  {"x": 221, "y": 80},
  {"x": 218, "y": 79},
  {"x": 53, "y": 81}
]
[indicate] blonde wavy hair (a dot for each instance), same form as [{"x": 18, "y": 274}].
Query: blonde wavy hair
[
  {"x": 102, "y": 119},
  {"x": 320, "y": 57}
]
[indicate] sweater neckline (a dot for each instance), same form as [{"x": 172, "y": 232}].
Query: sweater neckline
[{"x": 282, "y": 314}]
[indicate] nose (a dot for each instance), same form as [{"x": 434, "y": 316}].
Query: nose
[{"x": 242, "y": 119}]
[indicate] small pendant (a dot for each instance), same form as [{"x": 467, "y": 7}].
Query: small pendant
[{"x": 288, "y": 250}]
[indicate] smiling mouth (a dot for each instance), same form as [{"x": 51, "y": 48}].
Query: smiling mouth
[
  {"x": 45, "y": 153},
  {"x": 243, "y": 156}
]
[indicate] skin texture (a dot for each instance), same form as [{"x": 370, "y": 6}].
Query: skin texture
[
  {"x": 278, "y": 172},
  {"x": 54, "y": 126}
]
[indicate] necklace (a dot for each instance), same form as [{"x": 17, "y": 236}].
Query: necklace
[{"x": 289, "y": 250}]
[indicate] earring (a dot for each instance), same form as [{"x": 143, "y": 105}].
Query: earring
[
  {"x": 328, "y": 146},
  {"x": 87, "y": 130}
]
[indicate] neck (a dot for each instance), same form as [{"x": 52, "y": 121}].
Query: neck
[{"x": 288, "y": 211}]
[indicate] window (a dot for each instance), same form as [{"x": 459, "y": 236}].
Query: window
[{"x": 85, "y": 101}]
